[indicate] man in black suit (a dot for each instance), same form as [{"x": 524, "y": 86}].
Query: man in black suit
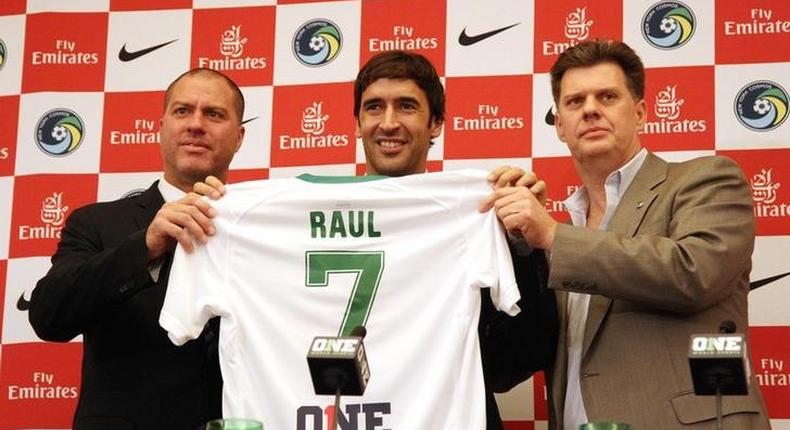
[{"x": 109, "y": 275}]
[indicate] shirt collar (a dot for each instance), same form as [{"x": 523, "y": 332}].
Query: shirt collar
[
  {"x": 577, "y": 203},
  {"x": 169, "y": 191}
]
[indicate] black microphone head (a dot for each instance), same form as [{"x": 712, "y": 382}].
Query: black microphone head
[
  {"x": 359, "y": 331},
  {"x": 727, "y": 326}
]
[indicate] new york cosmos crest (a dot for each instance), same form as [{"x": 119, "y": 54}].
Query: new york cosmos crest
[
  {"x": 2, "y": 54},
  {"x": 761, "y": 105},
  {"x": 317, "y": 42},
  {"x": 668, "y": 24},
  {"x": 59, "y": 132}
]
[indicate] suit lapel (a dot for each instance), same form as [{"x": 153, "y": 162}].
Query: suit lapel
[
  {"x": 148, "y": 203},
  {"x": 626, "y": 220}
]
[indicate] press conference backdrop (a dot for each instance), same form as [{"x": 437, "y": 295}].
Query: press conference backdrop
[{"x": 81, "y": 87}]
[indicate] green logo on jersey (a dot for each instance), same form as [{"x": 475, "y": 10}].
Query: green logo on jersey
[{"x": 353, "y": 223}]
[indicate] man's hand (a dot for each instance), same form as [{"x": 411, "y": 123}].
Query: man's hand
[
  {"x": 184, "y": 220},
  {"x": 519, "y": 199},
  {"x": 506, "y": 176}
]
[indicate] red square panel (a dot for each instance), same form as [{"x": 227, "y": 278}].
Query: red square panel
[
  {"x": 564, "y": 23},
  {"x": 237, "y": 42},
  {"x": 313, "y": 125},
  {"x": 679, "y": 114},
  {"x": 487, "y": 117},
  {"x": 12, "y": 7},
  {"x": 560, "y": 174},
  {"x": 752, "y": 32},
  {"x": 769, "y": 178},
  {"x": 42, "y": 203},
  {"x": 57, "y": 58},
  {"x": 770, "y": 354},
  {"x": 412, "y": 25},
  {"x": 242, "y": 175},
  {"x": 130, "y": 135},
  {"x": 9, "y": 109},
  {"x": 40, "y": 383}
]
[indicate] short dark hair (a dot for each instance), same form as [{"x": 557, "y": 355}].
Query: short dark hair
[
  {"x": 593, "y": 52},
  {"x": 238, "y": 102},
  {"x": 402, "y": 65}
]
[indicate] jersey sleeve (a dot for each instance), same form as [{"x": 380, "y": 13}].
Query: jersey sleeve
[
  {"x": 496, "y": 254},
  {"x": 194, "y": 288}
]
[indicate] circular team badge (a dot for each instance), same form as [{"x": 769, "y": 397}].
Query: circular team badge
[
  {"x": 317, "y": 42},
  {"x": 761, "y": 105},
  {"x": 668, "y": 25},
  {"x": 59, "y": 132},
  {"x": 2, "y": 54}
]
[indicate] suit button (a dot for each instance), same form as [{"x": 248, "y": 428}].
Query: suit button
[{"x": 125, "y": 286}]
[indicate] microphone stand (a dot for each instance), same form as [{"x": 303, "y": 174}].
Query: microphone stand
[
  {"x": 335, "y": 418},
  {"x": 718, "y": 405}
]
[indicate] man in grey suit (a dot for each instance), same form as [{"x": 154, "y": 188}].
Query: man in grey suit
[{"x": 656, "y": 251}]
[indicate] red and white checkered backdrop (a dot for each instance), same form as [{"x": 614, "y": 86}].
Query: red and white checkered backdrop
[{"x": 82, "y": 81}]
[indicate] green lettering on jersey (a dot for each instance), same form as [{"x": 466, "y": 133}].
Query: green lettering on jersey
[
  {"x": 317, "y": 224},
  {"x": 355, "y": 223},
  {"x": 367, "y": 265}
]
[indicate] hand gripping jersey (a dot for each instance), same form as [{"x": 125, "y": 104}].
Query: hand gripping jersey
[{"x": 317, "y": 256}]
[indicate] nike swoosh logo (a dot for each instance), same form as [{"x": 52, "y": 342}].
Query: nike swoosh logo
[
  {"x": 248, "y": 120},
  {"x": 466, "y": 40},
  {"x": 759, "y": 283},
  {"x": 125, "y": 55},
  {"x": 22, "y": 304},
  {"x": 549, "y": 117}
]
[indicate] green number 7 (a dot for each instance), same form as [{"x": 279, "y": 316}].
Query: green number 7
[{"x": 368, "y": 266}]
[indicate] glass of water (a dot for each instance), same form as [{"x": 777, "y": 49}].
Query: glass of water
[{"x": 234, "y": 424}]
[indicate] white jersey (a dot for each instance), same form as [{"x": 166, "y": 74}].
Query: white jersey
[{"x": 316, "y": 256}]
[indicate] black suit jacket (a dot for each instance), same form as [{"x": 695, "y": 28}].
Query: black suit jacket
[
  {"x": 513, "y": 348},
  {"x": 100, "y": 286}
]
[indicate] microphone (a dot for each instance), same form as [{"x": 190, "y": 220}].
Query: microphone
[
  {"x": 338, "y": 365},
  {"x": 718, "y": 362}
]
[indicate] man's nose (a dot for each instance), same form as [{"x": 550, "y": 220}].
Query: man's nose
[
  {"x": 389, "y": 121},
  {"x": 591, "y": 108},
  {"x": 195, "y": 121}
]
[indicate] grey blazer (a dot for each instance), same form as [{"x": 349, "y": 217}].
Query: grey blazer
[{"x": 674, "y": 261}]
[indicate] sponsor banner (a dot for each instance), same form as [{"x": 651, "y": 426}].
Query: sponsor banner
[
  {"x": 236, "y": 42},
  {"x": 57, "y": 58},
  {"x": 114, "y": 186},
  {"x": 487, "y": 117},
  {"x": 23, "y": 274},
  {"x": 255, "y": 150},
  {"x": 769, "y": 180},
  {"x": 317, "y": 43},
  {"x": 561, "y": 174},
  {"x": 130, "y": 139},
  {"x": 752, "y": 106},
  {"x": 12, "y": 30},
  {"x": 11, "y": 7},
  {"x": 9, "y": 109},
  {"x": 770, "y": 354},
  {"x": 313, "y": 125},
  {"x": 39, "y": 385},
  {"x": 752, "y": 32},
  {"x": 670, "y": 33},
  {"x": 489, "y": 38},
  {"x": 38, "y": 218},
  {"x": 678, "y": 102},
  {"x": 412, "y": 25},
  {"x": 146, "y": 51},
  {"x": 769, "y": 282},
  {"x": 562, "y": 24},
  {"x": 59, "y": 133},
  {"x": 540, "y": 393},
  {"x": 6, "y": 195},
  {"x": 122, "y": 5}
]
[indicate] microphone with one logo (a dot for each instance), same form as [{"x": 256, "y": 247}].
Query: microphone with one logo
[
  {"x": 338, "y": 365},
  {"x": 719, "y": 364}
]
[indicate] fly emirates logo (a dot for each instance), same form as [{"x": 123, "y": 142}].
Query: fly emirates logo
[
  {"x": 231, "y": 47},
  {"x": 577, "y": 29},
  {"x": 487, "y": 118},
  {"x": 313, "y": 126},
  {"x": 52, "y": 216},
  {"x": 667, "y": 110},
  {"x": 65, "y": 52}
]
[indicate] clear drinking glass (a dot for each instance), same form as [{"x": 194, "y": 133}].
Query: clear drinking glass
[{"x": 234, "y": 424}]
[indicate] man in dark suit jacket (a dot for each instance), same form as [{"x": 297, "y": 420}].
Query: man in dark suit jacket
[{"x": 109, "y": 275}]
